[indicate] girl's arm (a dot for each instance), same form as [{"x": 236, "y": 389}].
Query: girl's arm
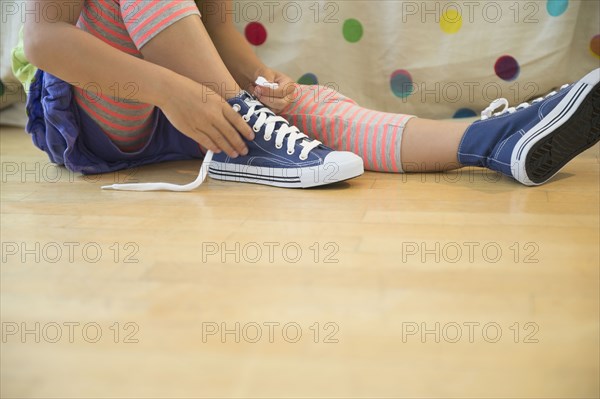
[
  {"x": 75, "y": 56},
  {"x": 236, "y": 53},
  {"x": 239, "y": 57}
]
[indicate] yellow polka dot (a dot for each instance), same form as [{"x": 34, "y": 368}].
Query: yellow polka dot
[{"x": 451, "y": 21}]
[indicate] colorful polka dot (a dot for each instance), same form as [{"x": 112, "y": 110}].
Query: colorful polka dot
[
  {"x": 557, "y": 7},
  {"x": 352, "y": 30},
  {"x": 308, "y": 79},
  {"x": 256, "y": 34},
  {"x": 595, "y": 45},
  {"x": 464, "y": 113},
  {"x": 451, "y": 21},
  {"x": 507, "y": 68},
  {"x": 401, "y": 83}
]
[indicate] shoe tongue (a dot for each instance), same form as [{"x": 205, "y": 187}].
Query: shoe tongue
[{"x": 243, "y": 96}]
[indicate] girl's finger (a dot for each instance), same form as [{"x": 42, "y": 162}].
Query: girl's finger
[
  {"x": 232, "y": 135},
  {"x": 206, "y": 141},
  {"x": 278, "y": 104},
  {"x": 238, "y": 123},
  {"x": 221, "y": 141},
  {"x": 284, "y": 90}
]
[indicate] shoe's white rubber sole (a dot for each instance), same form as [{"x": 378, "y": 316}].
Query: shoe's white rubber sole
[
  {"x": 331, "y": 171},
  {"x": 569, "y": 129}
]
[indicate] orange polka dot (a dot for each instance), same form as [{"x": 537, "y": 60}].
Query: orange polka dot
[{"x": 595, "y": 45}]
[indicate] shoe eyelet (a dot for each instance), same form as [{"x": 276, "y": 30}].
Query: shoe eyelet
[
  {"x": 290, "y": 152},
  {"x": 236, "y": 108},
  {"x": 255, "y": 129},
  {"x": 267, "y": 138},
  {"x": 279, "y": 147},
  {"x": 303, "y": 157},
  {"x": 245, "y": 119}
]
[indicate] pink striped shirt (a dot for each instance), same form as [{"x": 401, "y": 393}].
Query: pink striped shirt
[{"x": 126, "y": 25}]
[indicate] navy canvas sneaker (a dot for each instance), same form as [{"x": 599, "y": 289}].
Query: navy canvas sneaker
[
  {"x": 280, "y": 155},
  {"x": 532, "y": 142}
]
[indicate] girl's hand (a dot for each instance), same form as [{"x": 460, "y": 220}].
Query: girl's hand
[
  {"x": 203, "y": 115},
  {"x": 276, "y": 99}
]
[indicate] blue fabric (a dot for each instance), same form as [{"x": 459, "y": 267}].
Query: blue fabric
[
  {"x": 489, "y": 143},
  {"x": 73, "y": 139}
]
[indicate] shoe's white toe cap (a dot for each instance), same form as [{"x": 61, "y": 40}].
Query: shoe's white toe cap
[
  {"x": 343, "y": 165},
  {"x": 345, "y": 159},
  {"x": 337, "y": 166}
]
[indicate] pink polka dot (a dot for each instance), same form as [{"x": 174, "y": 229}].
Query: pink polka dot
[{"x": 256, "y": 34}]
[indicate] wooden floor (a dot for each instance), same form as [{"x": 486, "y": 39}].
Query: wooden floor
[{"x": 456, "y": 285}]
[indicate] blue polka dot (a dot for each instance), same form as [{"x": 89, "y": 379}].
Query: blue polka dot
[
  {"x": 308, "y": 79},
  {"x": 401, "y": 83},
  {"x": 464, "y": 113},
  {"x": 557, "y": 7}
]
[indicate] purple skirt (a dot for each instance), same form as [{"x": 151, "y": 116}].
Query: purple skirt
[{"x": 73, "y": 139}]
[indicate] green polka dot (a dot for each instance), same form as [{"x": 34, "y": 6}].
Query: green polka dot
[
  {"x": 353, "y": 30},
  {"x": 1, "y": 88},
  {"x": 308, "y": 79}
]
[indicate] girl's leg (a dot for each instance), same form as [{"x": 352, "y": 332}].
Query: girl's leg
[
  {"x": 431, "y": 146},
  {"x": 530, "y": 142},
  {"x": 386, "y": 142}
]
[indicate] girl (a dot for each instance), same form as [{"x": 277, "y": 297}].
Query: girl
[{"x": 123, "y": 83}]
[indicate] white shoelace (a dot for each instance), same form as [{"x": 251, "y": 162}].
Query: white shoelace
[
  {"x": 167, "y": 186},
  {"x": 266, "y": 117},
  {"x": 489, "y": 111}
]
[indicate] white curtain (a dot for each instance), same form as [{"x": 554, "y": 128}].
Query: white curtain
[
  {"x": 448, "y": 49},
  {"x": 459, "y": 55}
]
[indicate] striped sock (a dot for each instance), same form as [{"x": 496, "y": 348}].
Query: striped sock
[{"x": 343, "y": 125}]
